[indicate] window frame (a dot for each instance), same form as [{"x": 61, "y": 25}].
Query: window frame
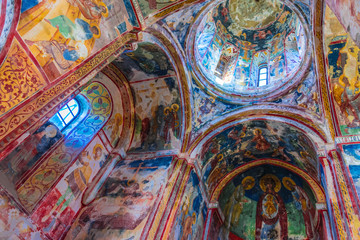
[
  {"x": 262, "y": 74},
  {"x": 71, "y": 113}
]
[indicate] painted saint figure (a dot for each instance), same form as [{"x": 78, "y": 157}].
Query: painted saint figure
[
  {"x": 234, "y": 206},
  {"x": 261, "y": 143},
  {"x": 302, "y": 202},
  {"x": 271, "y": 215}
]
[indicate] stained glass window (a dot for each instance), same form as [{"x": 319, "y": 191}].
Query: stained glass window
[{"x": 66, "y": 114}]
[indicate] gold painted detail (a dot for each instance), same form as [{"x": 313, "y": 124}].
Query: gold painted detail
[
  {"x": 354, "y": 221},
  {"x": 320, "y": 64},
  {"x": 19, "y": 79},
  {"x": 34, "y": 110},
  {"x": 336, "y": 209},
  {"x": 318, "y": 191}
]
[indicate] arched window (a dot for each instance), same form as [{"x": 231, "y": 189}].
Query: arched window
[
  {"x": 66, "y": 114},
  {"x": 263, "y": 76}
]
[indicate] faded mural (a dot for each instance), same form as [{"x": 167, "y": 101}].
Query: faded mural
[
  {"x": 123, "y": 204},
  {"x": 113, "y": 127},
  {"x": 56, "y": 212},
  {"x": 254, "y": 140},
  {"x": 15, "y": 224},
  {"x": 348, "y": 12},
  {"x": 344, "y": 74},
  {"x": 268, "y": 202},
  {"x": 40, "y": 180},
  {"x": 179, "y": 22},
  {"x": 155, "y": 86},
  {"x": 62, "y": 34},
  {"x": 27, "y": 154},
  {"x": 190, "y": 220}
]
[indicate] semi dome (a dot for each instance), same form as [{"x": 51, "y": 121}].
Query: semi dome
[{"x": 244, "y": 50}]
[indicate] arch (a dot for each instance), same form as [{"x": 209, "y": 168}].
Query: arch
[
  {"x": 49, "y": 169},
  {"x": 297, "y": 118},
  {"x": 173, "y": 49},
  {"x": 314, "y": 184}
]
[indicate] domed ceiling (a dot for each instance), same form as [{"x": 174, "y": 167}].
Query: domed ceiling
[{"x": 248, "y": 49}]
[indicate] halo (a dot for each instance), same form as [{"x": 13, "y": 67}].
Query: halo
[
  {"x": 194, "y": 216},
  {"x": 212, "y": 99},
  {"x": 276, "y": 180},
  {"x": 167, "y": 108},
  {"x": 285, "y": 184},
  {"x": 96, "y": 147},
  {"x": 250, "y": 186},
  {"x": 51, "y": 131},
  {"x": 257, "y": 129},
  {"x": 175, "y": 107},
  {"x": 96, "y": 35},
  {"x": 104, "y": 14}
]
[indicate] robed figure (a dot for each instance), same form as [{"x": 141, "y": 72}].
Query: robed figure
[
  {"x": 271, "y": 216},
  {"x": 302, "y": 203}
]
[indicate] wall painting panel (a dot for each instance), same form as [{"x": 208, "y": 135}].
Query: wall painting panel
[{"x": 122, "y": 206}]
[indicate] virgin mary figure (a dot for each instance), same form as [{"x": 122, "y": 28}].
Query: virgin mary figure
[{"x": 271, "y": 215}]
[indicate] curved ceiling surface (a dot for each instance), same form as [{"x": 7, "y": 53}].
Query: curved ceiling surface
[
  {"x": 238, "y": 55},
  {"x": 254, "y": 140}
]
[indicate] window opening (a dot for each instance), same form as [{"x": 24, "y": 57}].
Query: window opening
[
  {"x": 263, "y": 77},
  {"x": 66, "y": 114}
]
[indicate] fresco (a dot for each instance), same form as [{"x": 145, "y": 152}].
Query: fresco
[
  {"x": 207, "y": 108},
  {"x": 14, "y": 224},
  {"x": 348, "y": 12},
  {"x": 231, "y": 46},
  {"x": 47, "y": 173},
  {"x": 123, "y": 204},
  {"x": 215, "y": 226},
  {"x": 114, "y": 126},
  {"x": 344, "y": 73},
  {"x": 268, "y": 202},
  {"x": 19, "y": 78},
  {"x": 179, "y": 22},
  {"x": 305, "y": 95},
  {"x": 155, "y": 86},
  {"x": 249, "y": 141},
  {"x": 57, "y": 210},
  {"x": 148, "y": 61},
  {"x": 351, "y": 156},
  {"x": 190, "y": 219},
  {"x": 27, "y": 154},
  {"x": 148, "y": 7},
  {"x": 62, "y": 34}
]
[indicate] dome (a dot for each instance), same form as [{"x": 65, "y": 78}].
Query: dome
[{"x": 244, "y": 50}]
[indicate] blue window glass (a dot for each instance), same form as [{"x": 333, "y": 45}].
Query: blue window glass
[
  {"x": 66, "y": 114},
  {"x": 263, "y": 77}
]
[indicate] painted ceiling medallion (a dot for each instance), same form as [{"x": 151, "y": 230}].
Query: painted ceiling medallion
[{"x": 248, "y": 57}]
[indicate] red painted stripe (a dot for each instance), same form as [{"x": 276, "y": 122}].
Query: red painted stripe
[{"x": 3, "y": 15}]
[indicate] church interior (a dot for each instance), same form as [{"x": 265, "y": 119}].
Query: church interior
[{"x": 180, "y": 119}]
